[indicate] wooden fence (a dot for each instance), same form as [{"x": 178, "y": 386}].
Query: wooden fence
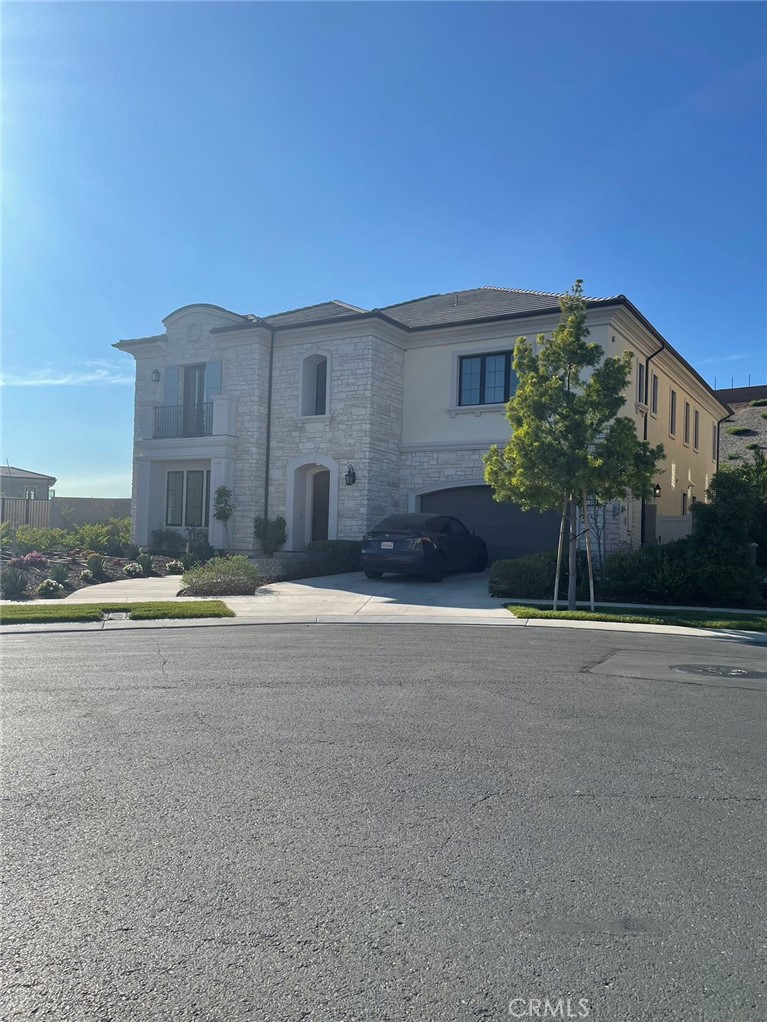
[{"x": 25, "y": 512}]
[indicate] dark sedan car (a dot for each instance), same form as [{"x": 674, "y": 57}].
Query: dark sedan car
[{"x": 429, "y": 545}]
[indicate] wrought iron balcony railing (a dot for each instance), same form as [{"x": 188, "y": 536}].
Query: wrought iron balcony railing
[{"x": 183, "y": 420}]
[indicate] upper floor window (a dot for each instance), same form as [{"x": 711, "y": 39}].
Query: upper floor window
[
  {"x": 654, "y": 395},
  {"x": 672, "y": 414},
  {"x": 30, "y": 493},
  {"x": 486, "y": 379},
  {"x": 687, "y": 422},
  {"x": 696, "y": 429},
  {"x": 314, "y": 385},
  {"x": 641, "y": 396}
]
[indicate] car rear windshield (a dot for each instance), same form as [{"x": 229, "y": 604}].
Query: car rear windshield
[{"x": 402, "y": 523}]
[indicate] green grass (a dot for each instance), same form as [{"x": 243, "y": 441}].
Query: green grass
[
  {"x": 65, "y": 613},
  {"x": 753, "y": 622}
]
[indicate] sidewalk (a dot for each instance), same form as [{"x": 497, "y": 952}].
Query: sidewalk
[{"x": 353, "y": 599}]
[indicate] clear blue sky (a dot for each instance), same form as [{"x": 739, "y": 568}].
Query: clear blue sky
[{"x": 268, "y": 156}]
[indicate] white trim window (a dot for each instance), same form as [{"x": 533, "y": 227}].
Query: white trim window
[{"x": 654, "y": 394}]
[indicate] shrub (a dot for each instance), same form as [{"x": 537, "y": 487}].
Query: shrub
[
  {"x": 738, "y": 430},
  {"x": 760, "y": 402},
  {"x": 166, "y": 541},
  {"x": 50, "y": 590},
  {"x": 146, "y": 563},
  {"x": 336, "y": 555},
  {"x": 661, "y": 574},
  {"x": 59, "y": 573},
  {"x": 86, "y": 576},
  {"x": 535, "y": 572},
  {"x": 133, "y": 569},
  {"x": 764, "y": 415},
  {"x": 198, "y": 545},
  {"x": 30, "y": 538},
  {"x": 13, "y": 584},
  {"x": 175, "y": 567},
  {"x": 723, "y": 563},
  {"x": 131, "y": 551},
  {"x": 34, "y": 559},
  {"x": 223, "y": 576},
  {"x": 271, "y": 534},
  {"x": 95, "y": 564}
]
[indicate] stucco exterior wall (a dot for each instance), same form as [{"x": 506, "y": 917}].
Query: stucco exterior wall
[{"x": 392, "y": 413}]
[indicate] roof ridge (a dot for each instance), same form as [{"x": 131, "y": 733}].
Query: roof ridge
[
  {"x": 544, "y": 294},
  {"x": 314, "y": 305}
]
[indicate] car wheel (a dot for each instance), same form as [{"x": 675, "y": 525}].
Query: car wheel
[
  {"x": 437, "y": 569},
  {"x": 373, "y": 574},
  {"x": 480, "y": 561}
]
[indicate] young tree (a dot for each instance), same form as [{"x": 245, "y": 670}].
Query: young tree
[
  {"x": 223, "y": 509},
  {"x": 567, "y": 439}
]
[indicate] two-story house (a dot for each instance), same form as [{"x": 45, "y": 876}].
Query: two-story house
[{"x": 333, "y": 416}]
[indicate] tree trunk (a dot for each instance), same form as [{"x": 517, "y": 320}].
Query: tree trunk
[
  {"x": 560, "y": 547},
  {"x": 573, "y": 561},
  {"x": 587, "y": 529}
]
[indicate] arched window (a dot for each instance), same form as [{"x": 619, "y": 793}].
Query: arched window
[{"x": 314, "y": 385}]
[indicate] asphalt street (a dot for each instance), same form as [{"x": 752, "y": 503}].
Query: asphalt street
[{"x": 361, "y": 824}]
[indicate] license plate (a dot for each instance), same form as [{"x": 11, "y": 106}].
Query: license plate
[{"x": 387, "y": 546}]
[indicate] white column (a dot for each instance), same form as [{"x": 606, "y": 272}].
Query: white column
[
  {"x": 141, "y": 481},
  {"x": 221, "y": 474}
]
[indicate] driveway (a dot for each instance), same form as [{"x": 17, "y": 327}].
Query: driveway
[{"x": 460, "y": 599}]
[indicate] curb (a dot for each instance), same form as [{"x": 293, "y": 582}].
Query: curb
[{"x": 753, "y": 638}]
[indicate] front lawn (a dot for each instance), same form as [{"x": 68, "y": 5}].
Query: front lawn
[
  {"x": 687, "y": 618},
  {"x": 65, "y": 613}
]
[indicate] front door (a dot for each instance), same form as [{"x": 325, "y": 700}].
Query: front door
[{"x": 320, "y": 483}]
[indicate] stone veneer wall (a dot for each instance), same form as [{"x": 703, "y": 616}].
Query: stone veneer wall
[{"x": 363, "y": 427}]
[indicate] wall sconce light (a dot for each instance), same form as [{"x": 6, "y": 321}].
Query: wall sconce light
[
  {"x": 351, "y": 476},
  {"x": 656, "y": 491},
  {"x": 155, "y": 376}
]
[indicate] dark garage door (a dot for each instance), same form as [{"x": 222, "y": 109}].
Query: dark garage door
[{"x": 506, "y": 528}]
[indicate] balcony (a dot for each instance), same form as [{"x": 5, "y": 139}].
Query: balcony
[{"x": 183, "y": 420}]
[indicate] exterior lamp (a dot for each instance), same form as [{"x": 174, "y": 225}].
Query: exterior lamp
[
  {"x": 155, "y": 376},
  {"x": 351, "y": 476},
  {"x": 656, "y": 491}
]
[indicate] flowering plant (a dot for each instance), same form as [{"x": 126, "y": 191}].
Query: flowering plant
[
  {"x": 50, "y": 590},
  {"x": 133, "y": 570},
  {"x": 175, "y": 567},
  {"x": 86, "y": 576}
]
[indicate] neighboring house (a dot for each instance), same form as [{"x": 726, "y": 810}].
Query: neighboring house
[
  {"x": 25, "y": 496},
  {"x": 19, "y": 482},
  {"x": 27, "y": 499},
  {"x": 749, "y": 422},
  {"x": 333, "y": 417}
]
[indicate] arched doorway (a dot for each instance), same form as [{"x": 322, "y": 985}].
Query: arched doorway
[{"x": 311, "y": 505}]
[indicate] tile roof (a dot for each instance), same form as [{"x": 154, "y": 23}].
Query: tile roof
[
  {"x": 8, "y": 471},
  {"x": 477, "y": 303},
  {"x": 310, "y": 313}
]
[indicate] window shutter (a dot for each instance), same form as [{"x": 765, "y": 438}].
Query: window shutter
[
  {"x": 212, "y": 380},
  {"x": 172, "y": 385}
]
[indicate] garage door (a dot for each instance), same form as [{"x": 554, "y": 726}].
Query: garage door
[{"x": 506, "y": 528}]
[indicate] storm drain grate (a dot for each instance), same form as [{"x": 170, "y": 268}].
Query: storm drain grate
[{"x": 716, "y": 671}]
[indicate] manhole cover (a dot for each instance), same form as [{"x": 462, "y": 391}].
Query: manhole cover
[{"x": 715, "y": 671}]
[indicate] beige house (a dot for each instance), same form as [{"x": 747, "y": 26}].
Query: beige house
[{"x": 333, "y": 416}]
